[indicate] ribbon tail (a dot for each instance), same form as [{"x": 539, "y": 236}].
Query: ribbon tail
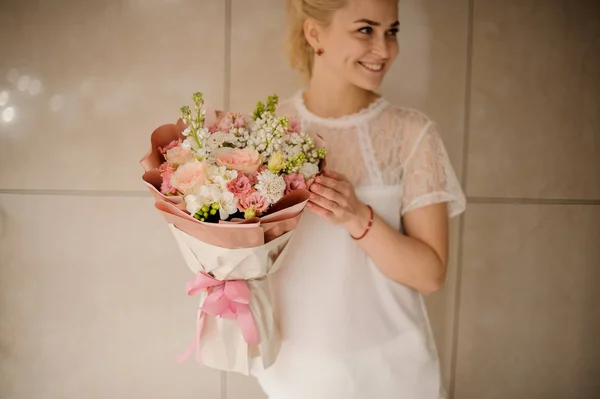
[
  {"x": 247, "y": 325},
  {"x": 195, "y": 346}
]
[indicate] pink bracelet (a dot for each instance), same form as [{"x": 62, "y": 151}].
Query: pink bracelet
[{"x": 368, "y": 226}]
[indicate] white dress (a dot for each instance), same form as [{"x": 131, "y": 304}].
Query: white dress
[{"x": 349, "y": 332}]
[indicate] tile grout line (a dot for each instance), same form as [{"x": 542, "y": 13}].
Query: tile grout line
[
  {"x": 227, "y": 105},
  {"x": 77, "y": 193},
  {"x": 531, "y": 201},
  {"x": 143, "y": 193},
  {"x": 461, "y": 225},
  {"x": 227, "y": 74}
]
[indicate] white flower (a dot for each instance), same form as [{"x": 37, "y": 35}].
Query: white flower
[
  {"x": 223, "y": 177},
  {"x": 271, "y": 186},
  {"x": 201, "y": 153},
  {"x": 309, "y": 170},
  {"x": 217, "y": 140},
  {"x": 191, "y": 204},
  {"x": 190, "y": 143},
  {"x": 208, "y": 194},
  {"x": 227, "y": 204}
]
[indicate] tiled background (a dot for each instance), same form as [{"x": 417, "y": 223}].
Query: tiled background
[{"x": 87, "y": 308}]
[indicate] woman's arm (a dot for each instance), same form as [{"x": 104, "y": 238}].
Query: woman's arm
[{"x": 417, "y": 259}]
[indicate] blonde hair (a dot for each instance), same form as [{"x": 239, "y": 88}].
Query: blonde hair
[{"x": 301, "y": 54}]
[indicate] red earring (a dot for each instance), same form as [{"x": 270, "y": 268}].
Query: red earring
[{"x": 320, "y": 51}]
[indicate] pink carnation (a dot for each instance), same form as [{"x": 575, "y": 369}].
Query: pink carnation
[
  {"x": 240, "y": 186},
  {"x": 294, "y": 181},
  {"x": 254, "y": 201},
  {"x": 253, "y": 178},
  {"x": 165, "y": 186},
  {"x": 166, "y": 167},
  {"x": 166, "y": 171}
]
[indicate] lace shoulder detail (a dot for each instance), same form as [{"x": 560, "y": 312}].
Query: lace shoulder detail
[{"x": 426, "y": 173}]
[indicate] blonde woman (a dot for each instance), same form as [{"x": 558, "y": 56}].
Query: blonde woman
[{"x": 374, "y": 240}]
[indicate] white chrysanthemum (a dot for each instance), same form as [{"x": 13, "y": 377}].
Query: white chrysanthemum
[
  {"x": 309, "y": 170},
  {"x": 271, "y": 186}
]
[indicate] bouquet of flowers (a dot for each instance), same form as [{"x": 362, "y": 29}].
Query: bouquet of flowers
[{"x": 232, "y": 188}]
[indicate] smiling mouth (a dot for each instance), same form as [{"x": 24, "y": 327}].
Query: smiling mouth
[{"x": 372, "y": 67}]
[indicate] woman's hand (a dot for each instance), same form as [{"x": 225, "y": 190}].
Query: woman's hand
[{"x": 333, "y": 198}]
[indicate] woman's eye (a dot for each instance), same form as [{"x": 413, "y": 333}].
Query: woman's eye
[
  {"x": 393, "y": 32},
  {"x": 366, "y": 30}
]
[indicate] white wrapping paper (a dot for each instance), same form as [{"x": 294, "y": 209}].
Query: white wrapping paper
[{"x": 222, "y": 345}]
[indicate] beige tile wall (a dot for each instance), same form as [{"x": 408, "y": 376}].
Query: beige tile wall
[
  {"x": 92, "y": 301},
  {"x": 530, "y": 307},
  {"x": 535, "y": 91},
  {"x": 87, "y": 308},
  {"x": 528, "y": 314}
]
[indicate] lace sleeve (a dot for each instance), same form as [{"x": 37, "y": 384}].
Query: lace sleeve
[{"x": 427, "y": 174}]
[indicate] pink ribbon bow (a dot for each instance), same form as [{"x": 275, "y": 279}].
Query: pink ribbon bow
[{"x": 228, "y": 299}]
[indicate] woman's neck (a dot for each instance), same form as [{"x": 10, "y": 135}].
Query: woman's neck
[{"x": 329, "y": 100}]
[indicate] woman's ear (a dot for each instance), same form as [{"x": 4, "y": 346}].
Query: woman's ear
[{"x": 312, "y": 32}]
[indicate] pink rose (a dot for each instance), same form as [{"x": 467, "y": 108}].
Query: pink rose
[
  {"x": 179, "y": 155},
  {"x": 246, "y": 160},
  {"x": 254, "y": 201},
  {"x": 294, "y": 126},
  {"x": 188, "y": 177},
  {"x": 240, "y": 186},
  {"x": 294, "y": 181}
]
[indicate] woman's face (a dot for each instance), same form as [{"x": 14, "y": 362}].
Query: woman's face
[{"x": 360, "y": 44}]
